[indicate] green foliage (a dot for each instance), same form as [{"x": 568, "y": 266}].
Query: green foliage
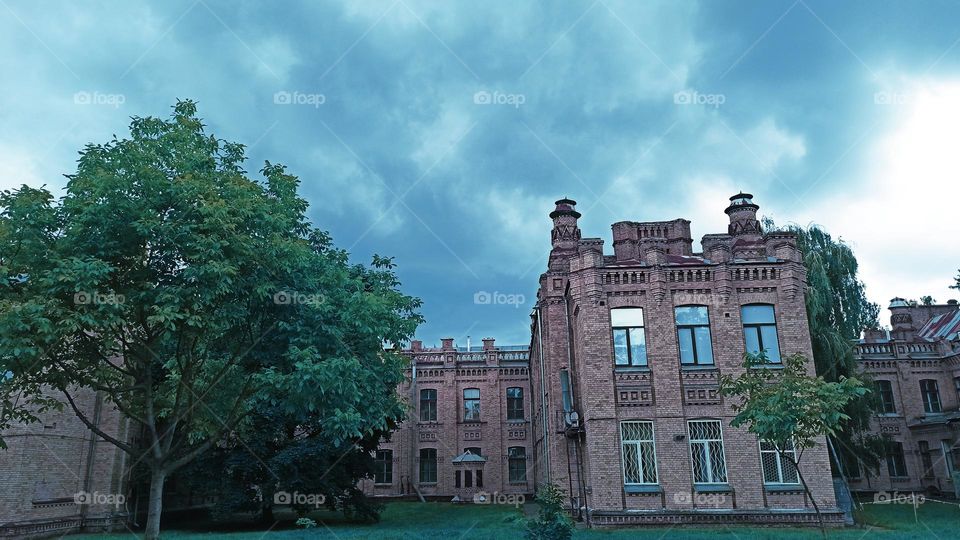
[
  {"x": 956, "y": 284},
  {"x": 788, "y": 404},
  {"x": 927, "y": 300},
  {"x": 192, "y": 296},
  {"x": 552, "y": 522}
]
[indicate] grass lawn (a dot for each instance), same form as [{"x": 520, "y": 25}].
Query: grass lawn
[{"x": 445, "y": 521}]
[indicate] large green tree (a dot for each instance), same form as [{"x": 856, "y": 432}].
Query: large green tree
[
  {"x": 838, "y": 312},
  {"x": 186, "y": 293}
]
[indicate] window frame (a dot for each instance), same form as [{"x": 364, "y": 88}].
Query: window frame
[
  {"x": 431, "y": 403},
  {"x": 757, "y": 327},
  {"x": 424, "y": 459},
  {"x": 471, "y": 415},
  {"x": 926, "y": 392},
  {"x": 513, "y": 460},
  {"x": 881, "y": 395},
  {"x": 627, "y": 332},
  {"x": 780, "y": 463},
  {"x": 706, "y": 443},
  {"x": 383, "y": 467},
  {"x": 639, "y": 445},
  {"x": 895, "y": 459},
  {"x": 512, "y": 402},
  {"x": 693, "y": 336}
]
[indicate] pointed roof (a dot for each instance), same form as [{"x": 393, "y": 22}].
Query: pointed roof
[{"x": 469, "y": 457}]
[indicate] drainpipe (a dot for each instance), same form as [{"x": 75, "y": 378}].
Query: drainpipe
[
  {"x": 91, "y": 451},
  {"x": 413, "y": 429},
  {"x": 543, "y": 395}
]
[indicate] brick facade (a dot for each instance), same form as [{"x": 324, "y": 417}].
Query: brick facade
[
  {"x": 923, "y": 345},
  {"x": 447, "y": 429},
  {"x": 578, "y": 445},
  {"x": 49, "y": 464}
]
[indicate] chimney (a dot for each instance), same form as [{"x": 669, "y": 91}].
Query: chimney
[
  {"x": 488, "y": 344},
  {"x": 447, "y": 343},
  {"x": 416, "y": 345}
]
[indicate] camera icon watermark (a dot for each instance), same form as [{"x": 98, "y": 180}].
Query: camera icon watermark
[
  {"x": 82, "y": 298},
  {"x": 289, "y": 298},
  {"x": 692, "y": 97},
  {"x": 99, "y": 98},
  {"x": 513, "y": 499},
  {"x": 283, "y": 97},
  {"x": 285, "y": 498},
  {"x": 497, "y": 97},
  {"x": 498, "y": 298},
  {"x": 88, "y": 498},
  {"x": 890, "y": 98}
]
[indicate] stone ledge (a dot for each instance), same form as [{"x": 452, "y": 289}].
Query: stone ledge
[{"x": 624, "y": 518}]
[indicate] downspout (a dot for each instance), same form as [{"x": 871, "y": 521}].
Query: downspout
[
  {"x": 91, "y": 451},
  {"x": 582, "y": 488},
  {"x": 543, "y": 396},
  {"x": 413, "y": 430}
]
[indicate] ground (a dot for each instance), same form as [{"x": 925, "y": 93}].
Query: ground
[{"x": 445, "y": 521}]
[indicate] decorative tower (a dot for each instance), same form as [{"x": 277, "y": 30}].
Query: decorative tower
[
  {"x": 565, "y": 236},
  {"x": 743, "y": 216}
]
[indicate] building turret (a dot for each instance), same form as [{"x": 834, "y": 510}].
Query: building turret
[
  {"x": 566, "y": 233},
  {"x": 743, "y": 216}
]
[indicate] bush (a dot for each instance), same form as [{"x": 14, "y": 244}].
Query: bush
[{"x": 552, "y": 522}]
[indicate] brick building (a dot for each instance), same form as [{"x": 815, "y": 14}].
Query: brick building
[
  {"x": 626, "y": 354},
  {"x": 57, "y": 477},
  {"x": 468, "y": 429},
  {"x": 915, "y": 369}
]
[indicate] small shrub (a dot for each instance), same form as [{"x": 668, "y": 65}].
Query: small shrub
[
  {"x": 306, "y": 523},
  {"x": 552, "y": 522}
]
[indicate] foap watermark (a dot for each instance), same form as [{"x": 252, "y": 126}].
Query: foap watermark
[
  {"x": 284, "y": 97},
  {"x": 498, "y": 299},
  {"x": 290, "y": 298},
  {"x": 890, "y": 98},
  {"x": 86, "y": 497},
  {"x": 497, "y": 97},
  {"x": 513, "y": 499},
  {"x": 885, "y": 497},
  {"x": 285, "y": 498},
  {"x": 700, "y": 499},
  {"x": 84, "y": 298},
  {"x": 99, "y": 98},
  {"x": 692, "y": 97}
]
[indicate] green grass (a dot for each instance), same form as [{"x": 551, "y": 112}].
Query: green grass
[{"x": 445, "y": 521}]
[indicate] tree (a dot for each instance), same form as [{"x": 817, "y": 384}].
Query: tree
[
  {"x": 838, "y": 312},
  {"x": 927, "y": 300},
  {"x": 551, "y": 522},
  {"x": 789, "y": 407},
  {"x": 956, "y": 284},
  {"x": 187, "y": 293}
]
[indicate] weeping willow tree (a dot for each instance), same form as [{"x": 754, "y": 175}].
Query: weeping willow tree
[
  {"x": 838, "y": 311},
  {"x": 957, "y": 279}
]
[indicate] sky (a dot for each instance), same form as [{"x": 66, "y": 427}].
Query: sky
[{"x": 441, "y": 133}]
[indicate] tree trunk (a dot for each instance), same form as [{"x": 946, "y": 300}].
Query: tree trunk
[
  {"x": 816, "y": 508},
  {"x": 155, "y": 506}
]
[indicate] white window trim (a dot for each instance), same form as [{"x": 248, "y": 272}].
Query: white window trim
[
  {"x": 623, "y": 460},
  {"x": 723, "y": 453},
  {"x": 779, "y": 464}
]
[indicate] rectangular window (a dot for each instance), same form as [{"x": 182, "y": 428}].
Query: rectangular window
[
  {"x": 956, "y": 386},
  {"x": 706, "y": 452},
  {"x": 760, "y": 331},
  {"x": 428, "y": 465},
  {"x": 566, "y": 394},
  {"x": 517, "y": 464},
  {"x": 383, "y": 467},
  {"x": 778, "y": 467},
  {"x": 638, "y": 453},
  {"x": 479, "y": 478},
  {"x": 515, "y": 403},
  {"x": 885, "y": 401},
  {"x": 926, "y": 458},
  {"x": 471, "y": 404},
  {"x": 629, "y": 341},
  {"x": 428, "y": 405},
  {"x": 931, "y": 395},
  {"x": 693, "y": 335},
  {"x": 456, "y": 478},
  {"x": 951, "y": 459},
  {"x": 896, "y": 466},
  {"x": 467, "y": 479}
]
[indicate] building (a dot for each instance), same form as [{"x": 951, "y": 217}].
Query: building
[
  {"x": 915, "y": 369},
  {"x": 57, "y": 477},
  {"x": 468, "y": 431},
  {"x": 626, "y": 354}
]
